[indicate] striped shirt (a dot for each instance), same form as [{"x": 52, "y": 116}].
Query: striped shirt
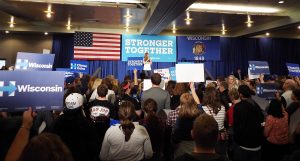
[{"x": 220, "y": 117}]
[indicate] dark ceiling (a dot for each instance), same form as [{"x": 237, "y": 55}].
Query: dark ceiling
[{"x": 150, "y": 17}]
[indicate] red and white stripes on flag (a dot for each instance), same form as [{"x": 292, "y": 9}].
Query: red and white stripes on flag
[{"x": 97, "y": 46}]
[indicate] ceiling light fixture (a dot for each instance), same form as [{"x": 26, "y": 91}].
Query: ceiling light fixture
[
  {"x": 46, "y": 33},
  {"x": 116, "y": 1},
  {"x": 174, "y": 28},
  {"x": 280, "y": 2},
  {"x": 69, "y": 24},
  {"x": 211, "y": 7},
  {"x": 49, "y": 11},
  {"x": 188, "y": 19},
  {"x": 12, "y": 22},
  {"x": 249, "y": 22},
  {"x": 267, "y": 34},
  {"x": 223, "y": 29},
  {"x": 128, "y": 16},
  {"x": 298, "y": 27},
  {"x": 7, "y": 32}
]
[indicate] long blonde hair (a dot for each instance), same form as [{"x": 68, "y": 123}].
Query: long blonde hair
[{"x": 188, "y": 106}]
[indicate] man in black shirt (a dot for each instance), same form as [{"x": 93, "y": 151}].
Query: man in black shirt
[{"x": 205, "y": 133}]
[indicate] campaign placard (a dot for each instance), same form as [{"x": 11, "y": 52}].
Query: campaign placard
[
  {"x": 135, "y": 63},
  {"x": 198, "y": 48},
  {"x": 294, "y": 69},
  {"x": 41, "y": 90},
  {"x": 258, "y": 67},
  {"x": 266, "y": 90},
  {"x": 34, "y": 61},
  {"x": 68, "y": 72},
  {"x": 172, "y": 71},
  {"x": 79, "y": 66},
  {"x": 160, "y": 48},
  {"x": 164, "y": 73},
  {"x": 190, "y": 72}
]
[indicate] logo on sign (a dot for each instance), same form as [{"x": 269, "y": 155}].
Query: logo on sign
[
  {"x": 251, "y": 66},
  {"x": 22, "y": 64},
  {"x": 259, "y": 90},
  {"x": 73, "y": 66},
  {"x": 12, "y": 87}
]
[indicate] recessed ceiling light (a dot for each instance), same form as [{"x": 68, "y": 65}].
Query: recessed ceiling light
[
  {"x": 280, "y": 2},
  {"x": 7, "y": 32},
  {"x": 298, "y": 27},
  {"x": 209, "y": 7},
  {"x": 46, "y": 33},
  {"x": 267, "y": 34}
]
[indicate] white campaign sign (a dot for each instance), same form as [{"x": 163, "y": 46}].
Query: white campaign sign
[{"x": 190, "y": 72}]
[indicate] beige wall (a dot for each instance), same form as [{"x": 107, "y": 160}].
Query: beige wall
[{"x": 10, "y": 44}]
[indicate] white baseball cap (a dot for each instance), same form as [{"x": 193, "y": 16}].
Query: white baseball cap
[{"x": 74, "y": 100}]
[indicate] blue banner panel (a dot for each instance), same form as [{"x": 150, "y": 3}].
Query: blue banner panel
[
  {"x": 258, "y": 67},
  {"x": 68, "y": 72},
  {"x": 135, "y": 63},
  {"x": 79, "y": 66},
  {"x": 173, "y": 73},
  {"x": 33, "y": 61},
  {"x": 266, "y": 90},
  {"x": 160, "y": 48},
  {"x": 198, "y": 48},
  {"x": 294, "y": 69},
  {"x": 41, "y": 90}
]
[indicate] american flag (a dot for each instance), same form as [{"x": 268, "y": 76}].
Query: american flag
[{"x": 97, "y": 46}]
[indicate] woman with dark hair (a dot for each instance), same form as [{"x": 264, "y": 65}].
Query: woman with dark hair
[
  {"x": 126, "y": 141},
  {"x": 46, "y": 147},
  {"x": 155, "y": 127},
  {"x": 213, "y": 107},
  {"x": 276, "y": 132},
  {"x": 179, "y": 89}
]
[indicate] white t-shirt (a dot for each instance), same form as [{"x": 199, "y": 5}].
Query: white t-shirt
[{"x": 147, "y": 65}]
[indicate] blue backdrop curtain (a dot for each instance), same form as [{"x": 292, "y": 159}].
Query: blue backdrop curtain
[{"x": 235, "y": 53}]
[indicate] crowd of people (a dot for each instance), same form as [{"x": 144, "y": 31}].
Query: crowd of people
[{"x": 104, "y": 119}]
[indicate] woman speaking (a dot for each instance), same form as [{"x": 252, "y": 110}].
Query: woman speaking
[{"x": 147, "y": 65}]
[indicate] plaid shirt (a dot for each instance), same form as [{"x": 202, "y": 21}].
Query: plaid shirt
[{"x": 172, "y": 117}]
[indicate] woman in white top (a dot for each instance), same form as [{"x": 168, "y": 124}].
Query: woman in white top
[
  {"x": 213, "y": 107},
  {"x": 147, "y": 64},
  {"x": 126, "y": 141}
]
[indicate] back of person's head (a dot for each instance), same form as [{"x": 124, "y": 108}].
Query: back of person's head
[
  {"x": 275, "y": 109},
  {"x": 233, "y": 94},
  {"x": 108, "y": 83},
  {"x": 156, "y": 79},
  {"x": 97, "y": 83},
  {"x": 188, "y": 106},
  {"x": 124, "y": 86},
  {"x": 150, "y": 106},
  {"x": 170, "y": 87},
  {"x": 102, "y": 90},
  {"x": 205, "y": 132},
  {"x": 127, "y": 78},
  {"x": 46, "y": 147},
  {"x": 211, "y": 98},
  {"x": 289, "y": 84},
  {"x": 296, "y": 94},
  {"x": 179, "y": 89},
  {"x": 245, "y": 91},
  {"x": 224, "y": 84},
  {"x": 126, "y": 115}
]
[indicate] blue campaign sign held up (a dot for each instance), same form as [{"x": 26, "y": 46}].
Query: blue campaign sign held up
[
  {"x": 198, "y": 48},
  {"x": 160, "y": 48},
  {"x": 79, "y": 66},
  {"x": 135, "y": 63},
  {"x": 294, "y": 69},
  {"x": 41, "y": 90},
  {"x": 266, "y": 90},
  {"x": 34, "y": 61},
  {"x": 258, "y": 67},
  {"x": 173, "y": 73},
  {"x": 68, "y": 73}
]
